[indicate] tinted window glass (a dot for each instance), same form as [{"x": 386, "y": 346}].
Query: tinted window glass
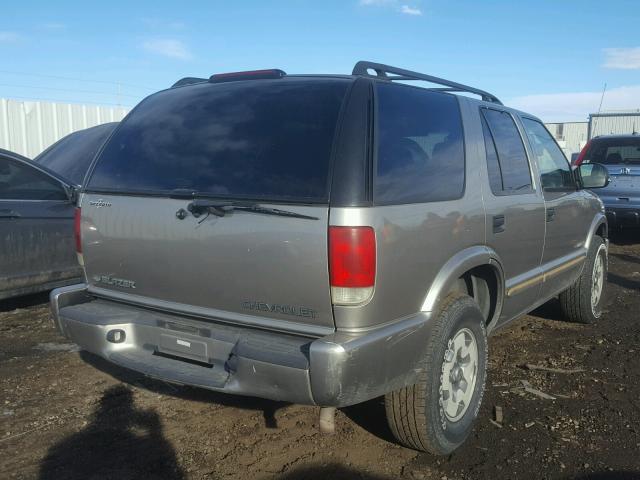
[
  {"x": 493, "y": 165},
  {"x": 420, "y": 146},
  {"x": 514, "y": 166},
  {"x": 22, "y": 182},
  {"x": 72, "y": 155},
  {"x": 615, "y": 151},
  {"x": 264, "y": 139},
  {"x": 554, "y": 168}
]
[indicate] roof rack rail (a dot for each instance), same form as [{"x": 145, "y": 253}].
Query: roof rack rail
[{"x": 382, "y": 71}]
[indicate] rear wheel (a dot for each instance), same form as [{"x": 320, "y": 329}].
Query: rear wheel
[
  {"x": 582, "y": 302},
  {"x": 436, "y": 414}
]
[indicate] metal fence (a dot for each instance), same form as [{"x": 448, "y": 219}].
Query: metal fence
[{"x": 29, "y": 127}]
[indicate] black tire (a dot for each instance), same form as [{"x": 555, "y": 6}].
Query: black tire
[
  {"x": 414, "y": 413},
  {"x": 575, "y": 301}
]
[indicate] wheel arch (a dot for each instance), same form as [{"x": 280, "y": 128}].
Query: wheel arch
[
  {"x": 600, "y": 227},
  {"x": 462, "y": 272}
]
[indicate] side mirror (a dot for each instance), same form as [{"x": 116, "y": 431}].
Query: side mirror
[{"x": 593, "y": 175}]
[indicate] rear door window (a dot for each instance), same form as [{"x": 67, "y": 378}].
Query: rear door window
[
  {"x": 260, "y": 139},
  {"x": 507, "y": 161},
  {"x": 420, "y": 150},
  {"x": 555, "y": 172}
]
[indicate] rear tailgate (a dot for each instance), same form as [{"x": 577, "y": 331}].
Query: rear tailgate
[
  {"x": 266, "y": 143},
  {"x": 244, "y": 268},
  {"x": 625, "y": 184}
]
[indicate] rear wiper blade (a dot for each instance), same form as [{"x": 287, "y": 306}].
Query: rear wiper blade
[
  {"x": 220, "y": 209},
  {"x": 270, "y": 211}
]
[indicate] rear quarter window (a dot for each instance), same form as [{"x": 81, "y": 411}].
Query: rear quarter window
[
  {"x": 420, "y": 146},
  {"x": 260, "y": 139}
]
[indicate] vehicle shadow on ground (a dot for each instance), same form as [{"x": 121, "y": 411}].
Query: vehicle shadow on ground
[
  {"x": 627, "y": 236},
  {"x": 122, "y": 441},
  {"x": 623, "y": 282},
  {"x": 368, "y": 415},
  {"x": 25, "y": 301},
  {"x": 619, "y": 475},
  {"x": 549, "y": 311},
  {"x": 268, "y": 407},
  {"x": 371, "y": 416},
  {"x": 331, "y": 471}
]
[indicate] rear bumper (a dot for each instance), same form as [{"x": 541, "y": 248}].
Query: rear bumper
[
  {"x": 619, "y": 217},
  {"x": 337, "y": 370}
]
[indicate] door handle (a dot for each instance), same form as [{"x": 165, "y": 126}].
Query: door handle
[
  {"x": 551, "y": 214},
  {"x": 498, "y": 223},
  {"x": 6, "y": 213}
]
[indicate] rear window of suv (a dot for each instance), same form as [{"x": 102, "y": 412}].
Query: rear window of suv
[
  {"x": 420, "y": 146},
  {"x": 614, "y": 151},
  {"x": 261, "y": 139}
]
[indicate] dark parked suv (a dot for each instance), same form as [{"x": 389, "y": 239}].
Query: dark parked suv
[
  {"x": 328, "y": 239},
  {"x": 620, "y": 154}
]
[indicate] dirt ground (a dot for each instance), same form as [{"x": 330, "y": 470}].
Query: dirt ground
[{"x": 68, "y": 414}]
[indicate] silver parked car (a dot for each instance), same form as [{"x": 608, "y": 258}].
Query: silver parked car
[
  {"x": 328, "y": 239},
  {"x": 37, "y": 205},
  {"x": 621, "y": 155}
]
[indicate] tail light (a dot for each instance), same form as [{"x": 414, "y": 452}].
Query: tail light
[
  {"x": 352, "y": 264},
  {"x": 583, "y": 153},
  {"x": 77, "y": 234}
]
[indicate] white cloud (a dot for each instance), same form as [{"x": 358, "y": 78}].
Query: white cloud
[
  {"x": 622, "y": 58},
  {"x": 9, "y": 37},
  {"x": 576, "y": 106},
  {"x": 407, "y": 10},
  {"x": 54, "y": 26},
  {"x": 168, "y": 47},
  {"x": 159, "y": 23},
  {"x": 377, "y": 2}
]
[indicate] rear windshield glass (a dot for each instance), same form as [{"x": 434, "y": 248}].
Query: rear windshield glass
[
  {"x": 71, "y": 156},
  {"x": 263, "y": 139},
  {"x": 612, "y": 151}
]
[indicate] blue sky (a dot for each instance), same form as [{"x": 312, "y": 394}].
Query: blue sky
[{"x": 551, "y": 58}]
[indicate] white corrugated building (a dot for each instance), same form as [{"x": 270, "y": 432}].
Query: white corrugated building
[
  {"x": 29, "y": 127},
  {"x": 614, "y": 122},
  {"x": 572, "y": 136}
]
